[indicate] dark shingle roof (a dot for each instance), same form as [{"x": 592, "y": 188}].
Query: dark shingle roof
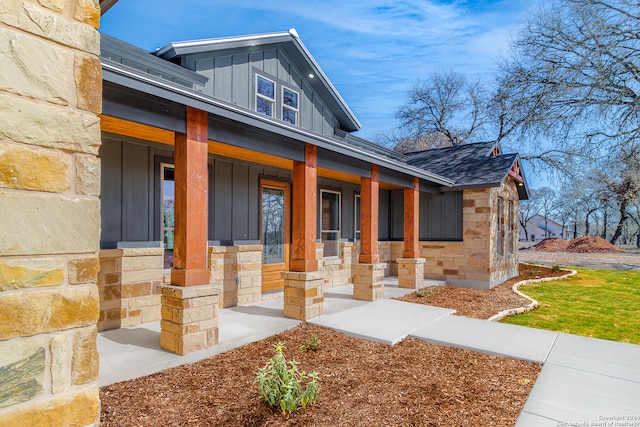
[{"x": 469, "y": 165}]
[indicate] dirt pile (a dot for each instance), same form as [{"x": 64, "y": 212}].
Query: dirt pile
[
  {"x": 587, "y": 244},
  {"x": 591, "y": 244},
  {"x": 551, "y": 245}
]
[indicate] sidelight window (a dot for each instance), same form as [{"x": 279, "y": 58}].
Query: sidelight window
[{"x": 330, "y": 224}]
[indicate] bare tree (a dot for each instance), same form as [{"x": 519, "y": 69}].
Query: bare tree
[
  {"x": 634, "y": 215},
  {"x": 577, "y": 68},
  {"x": 527, "y": 210},
  {"x": 447, "y": 105},
  {"x": 622, "y": 181},
  {"x": 547, "y": 199},
  {"x": 567, "y": 207},
  {"x": 405, "y": 143}
]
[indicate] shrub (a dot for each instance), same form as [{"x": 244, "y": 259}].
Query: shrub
[
  {"x": 421, "y": 293},
  {"x": 314, "y": 343},
  {"x": 282, "y": 387},
  {"x": 555, "y": 267}
]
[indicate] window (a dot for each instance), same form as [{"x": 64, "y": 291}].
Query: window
[
  {"x": 273, "y": 225},
  {"x": 289, "y": 106},
  {"x": 330, "y": 226},
  {"x": 357, "y": 218},
  {"x": 167, "y": 219},
  {"x": 499, "y": 228},
  {"x": 265, "y": 96},
  {"x": 510, "y": 227}
]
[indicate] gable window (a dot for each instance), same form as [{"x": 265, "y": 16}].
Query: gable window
[
  {"x": 330, "y": 224},
  {"x": 289, "y": 106},
  {"x": 265, "y": 96}
]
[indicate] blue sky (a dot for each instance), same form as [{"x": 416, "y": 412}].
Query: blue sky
[{"x": 372, "y": 51}]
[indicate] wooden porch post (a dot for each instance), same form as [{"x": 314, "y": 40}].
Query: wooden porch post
[
  {"x": 190, "y": 304},
  {"x": 303, "y": 294},
  {"x": 191, "y": 189},
  {"x": 303, "y": 251},
  {"x": 411, "y": 220},
  {"x": 411, "y": 266},
  {"x": 369, "y": 218},
  {"x": 368, "y": 274}
]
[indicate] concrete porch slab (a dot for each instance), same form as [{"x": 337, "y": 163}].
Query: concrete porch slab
[
  {"x": 489, "y": 337},
  {"x": 385, "y": 321},
  {"x": 135, "y": 352},
  {"x": 575, "y": 397},
  {"x": 610, "y": 358}
]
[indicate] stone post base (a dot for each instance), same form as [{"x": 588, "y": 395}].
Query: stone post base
[
  {"x": 189, "y": 318},
  {"x": 368, "y": 281},
  {"x": 303, "y": 294},
  {"x": 410, "y": 272}
]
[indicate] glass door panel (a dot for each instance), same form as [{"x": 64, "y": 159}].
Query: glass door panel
[
  {"x": 273, "y": 225},
  {"x": 167, "y": 213},
  {"x": 274, "y": 233}
]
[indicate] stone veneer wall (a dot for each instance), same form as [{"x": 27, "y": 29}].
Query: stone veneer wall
[
  {"x": 239, "y": 270},
  {"x": 506, "y": 266},
  {"x": 50, "y": 99},
  {"x": 129, "y": 283},
  {"x": 474, "y": 261},
  {"x": 337, "y": 271},
  {"x": 389, "y": 252}
]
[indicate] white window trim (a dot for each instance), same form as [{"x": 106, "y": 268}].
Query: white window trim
[
  {"x": 288, "y": 107},
  {"x": 339, "y": 230},
  {"x": 266, "y": 98}
]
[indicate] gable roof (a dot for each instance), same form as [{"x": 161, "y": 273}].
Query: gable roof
[
  {"x": 470, "y": 165},
  {"x": 296, "y": 52},
  {"x": 128, "y": 55}
]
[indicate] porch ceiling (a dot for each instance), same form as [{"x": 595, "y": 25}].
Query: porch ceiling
[{"x": 162, "y": 136}]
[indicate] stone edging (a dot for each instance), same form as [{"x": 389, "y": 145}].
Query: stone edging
[{"x": 533, "y": 304}]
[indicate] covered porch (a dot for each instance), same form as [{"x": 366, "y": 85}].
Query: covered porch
[
  {"x": 128, "y": 353},
  {"x": 207, "y": 274}
]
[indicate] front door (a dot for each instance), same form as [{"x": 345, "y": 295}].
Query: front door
[{"x": 274, "y": 233}]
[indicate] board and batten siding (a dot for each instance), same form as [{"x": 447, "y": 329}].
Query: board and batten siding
[
  {"x": 131, "y": 186},
  {"x": 232, "y": 78},
  {"x": 441, "y": 216}
]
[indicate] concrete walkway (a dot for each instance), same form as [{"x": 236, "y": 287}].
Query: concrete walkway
[{"x": 584, "y": 381}]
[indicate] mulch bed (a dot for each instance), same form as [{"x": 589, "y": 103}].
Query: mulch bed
[
  {"x": 362, "y": 384},
  {"x": 482, "y": 303}
]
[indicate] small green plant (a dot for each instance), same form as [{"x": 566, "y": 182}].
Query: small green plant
[
  {"x": 420, "y": 293},
  {"x": 314, "y": 343},
  {"x": 555, "y": 267},
  {"x": 282, "y": 387}
]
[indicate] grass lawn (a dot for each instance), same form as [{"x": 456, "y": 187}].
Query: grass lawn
[{"x": 594, "y": 303}]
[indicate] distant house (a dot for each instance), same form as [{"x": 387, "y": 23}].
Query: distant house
[{"x": 540, "y": 228}]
